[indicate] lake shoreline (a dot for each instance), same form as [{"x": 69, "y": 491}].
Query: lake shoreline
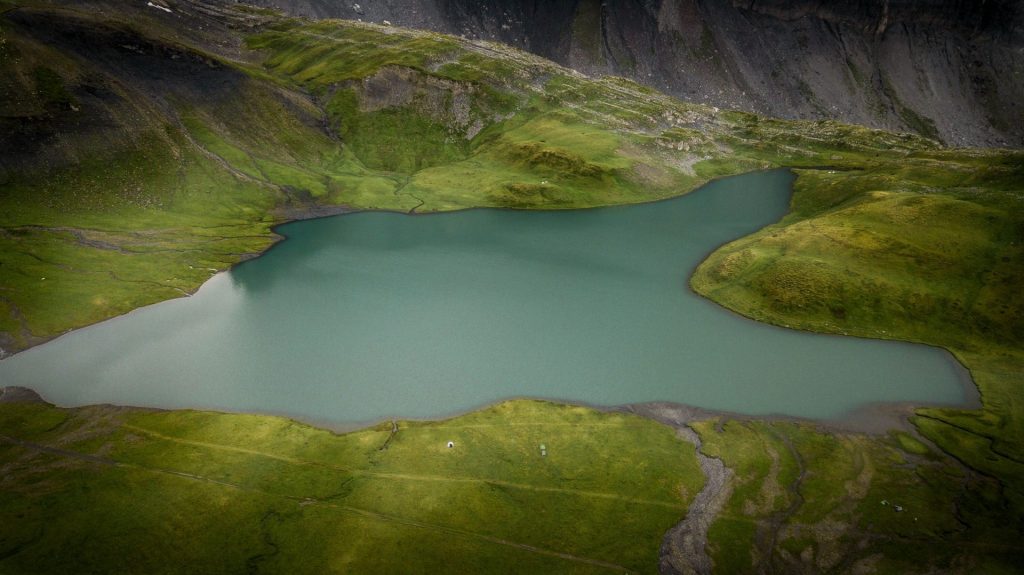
[
  {"x": 359, "y": 413},
  {"x": 873, "y": 419}
]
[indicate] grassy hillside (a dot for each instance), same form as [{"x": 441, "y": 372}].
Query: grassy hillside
[
  {"x": 929, "y": 249},
  {"x": 106, "y": 490}
]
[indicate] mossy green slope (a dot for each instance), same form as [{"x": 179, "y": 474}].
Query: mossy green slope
[{"x": 118, "y": 490}]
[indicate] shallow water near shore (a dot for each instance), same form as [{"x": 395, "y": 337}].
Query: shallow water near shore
[{"x": 372, "y": 315}]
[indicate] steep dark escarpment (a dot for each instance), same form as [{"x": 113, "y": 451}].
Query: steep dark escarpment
[{"x": 948, "y": 69}]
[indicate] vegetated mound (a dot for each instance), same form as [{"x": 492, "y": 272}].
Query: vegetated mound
[{"x": 930, "y": 246}]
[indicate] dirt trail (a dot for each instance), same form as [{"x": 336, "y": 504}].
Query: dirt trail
[
  {"x": 498, "y": 540},
  {"x": 405, "y": 476}
]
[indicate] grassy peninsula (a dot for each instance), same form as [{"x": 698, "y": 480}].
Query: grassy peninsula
[
  {"x": 144, "y": 150},
  {"x": 931, "y": 250}
]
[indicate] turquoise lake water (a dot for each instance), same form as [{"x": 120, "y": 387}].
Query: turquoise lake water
[{"x": 372, "y": 315}]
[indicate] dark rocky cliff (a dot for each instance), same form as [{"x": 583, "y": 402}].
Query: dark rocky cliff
[{"x": 949, "y": 69}]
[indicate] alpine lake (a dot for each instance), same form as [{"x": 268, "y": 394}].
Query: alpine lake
[{"x": 375, "y": 315}]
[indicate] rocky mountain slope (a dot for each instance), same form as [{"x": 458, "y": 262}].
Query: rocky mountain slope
[{"x": 946, "y": 69}]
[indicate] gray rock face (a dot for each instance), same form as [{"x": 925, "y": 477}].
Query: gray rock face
[{"x": 948, "y": 69}]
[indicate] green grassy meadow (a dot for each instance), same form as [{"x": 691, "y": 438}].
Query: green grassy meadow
[
  {"x": 114, "y": 489},
  {"x": 266, "y": 494}
]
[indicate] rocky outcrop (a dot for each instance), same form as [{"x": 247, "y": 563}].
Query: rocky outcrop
[
  {"x": 15, "y": 394},
  {"x": 446, "y": 102},
  {"x": 948, "y": 69}
]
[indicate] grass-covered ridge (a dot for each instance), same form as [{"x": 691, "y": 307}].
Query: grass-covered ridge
[{"x": 120, "y": 490}]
